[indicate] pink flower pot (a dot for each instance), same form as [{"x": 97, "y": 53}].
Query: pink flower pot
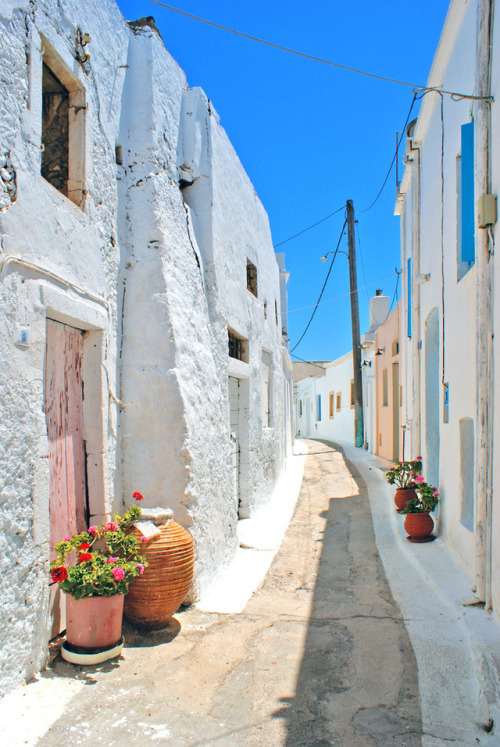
[{"x": 94, "y": 622}]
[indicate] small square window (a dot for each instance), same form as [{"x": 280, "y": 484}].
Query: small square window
[
  {"x": 339, "y": 402},
  {"x": 252, "y": 278},
  {"x": 237, "y": 346},
  {"x": 331, "y": 404}
]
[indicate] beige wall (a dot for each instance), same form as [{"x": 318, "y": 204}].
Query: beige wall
[{"x": 388, "y": 389}]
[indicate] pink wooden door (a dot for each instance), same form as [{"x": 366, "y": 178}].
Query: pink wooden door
[{"x": 63, "y": 411}]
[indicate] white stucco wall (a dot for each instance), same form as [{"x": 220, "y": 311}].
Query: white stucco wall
[
  {"x": 337, "y": 380},
  {"x": 429, "y": 234},
  {"x": 65, "y": 244},
  {"x": 157, "y": 274}
]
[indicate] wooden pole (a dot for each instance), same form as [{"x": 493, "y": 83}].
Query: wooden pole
[{"x": 356, "y": 342}]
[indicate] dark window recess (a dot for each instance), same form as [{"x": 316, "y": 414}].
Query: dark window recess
[
  {"x": 235, "y": 347},
  {"x": 119, "y": 155},
  {"x": 55, "y": 131},
  {"x": 251, "y": 278},
  {"x": 276, "y": 312}
]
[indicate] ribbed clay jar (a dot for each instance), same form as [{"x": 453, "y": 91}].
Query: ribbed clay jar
[{"x": 155, "y": 596}]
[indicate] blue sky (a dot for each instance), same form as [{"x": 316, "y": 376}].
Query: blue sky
[{"x": 311, "y": 136}]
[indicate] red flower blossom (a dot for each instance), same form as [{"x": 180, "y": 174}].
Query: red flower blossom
[
  {"x": 84, "y": 546},
  {"x": 84, "y": 556},
  {"x": 138, "y": 496},
  {"x": 59, "y": 573}
]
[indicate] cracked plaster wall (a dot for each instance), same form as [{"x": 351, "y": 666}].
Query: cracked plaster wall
[{"x": 171, "y": 278}]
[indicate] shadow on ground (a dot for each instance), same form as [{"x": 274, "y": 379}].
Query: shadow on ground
[{"x": 357, "y": 682}]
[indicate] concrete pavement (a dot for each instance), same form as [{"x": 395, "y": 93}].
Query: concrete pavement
[{"x": 354, "y": 637}]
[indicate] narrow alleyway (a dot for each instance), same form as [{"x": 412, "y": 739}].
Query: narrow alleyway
[{"x": 320, "y": 655}]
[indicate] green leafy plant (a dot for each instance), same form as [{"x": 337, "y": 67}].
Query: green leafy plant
[
  {"x": 405, "y": 474},
  {"x": 428, "y": 498},
  {"x": 101, "y": 561}
]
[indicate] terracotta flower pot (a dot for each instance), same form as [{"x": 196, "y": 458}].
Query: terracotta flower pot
[
  {"x": 418, "y": 526},
  {"x": 402, "y": 496},
  {"x": 94, "y": 622},
  {"x": 156, "y": 595}
]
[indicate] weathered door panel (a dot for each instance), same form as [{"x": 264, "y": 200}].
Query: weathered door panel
[{"x": 63, "y": 411}]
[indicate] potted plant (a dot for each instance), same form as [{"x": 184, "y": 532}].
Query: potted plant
[
  {"x": 418, "y": 521},
  {"x": 94, "y": 568},
  {"x": 405, "y": 476}
]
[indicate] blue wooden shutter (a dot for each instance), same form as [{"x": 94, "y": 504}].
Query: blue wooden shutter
[
  {"x": 408, "y": 279},
  {"x": 319, "y": 406},
  {"x": 467, "y": 194}
]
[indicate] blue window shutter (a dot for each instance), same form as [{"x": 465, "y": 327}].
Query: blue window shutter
[
  {"x": 467, "y": 196},
  {"x": 409, "y": 295},
  {"x": 319, "y": 406}
]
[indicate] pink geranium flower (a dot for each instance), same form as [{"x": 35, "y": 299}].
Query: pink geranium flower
[
  {"x": 111, "y": 560},
  {"x": 67, "y": 538},
  {"x": 111, "y": 526},
  {"x": 92, "y": 530},
  {"x": 118, "y": 574},
  {"x": 143, "y": 538},
  {"x": 419, "y": 479},
  {"x": 140, "y": 567},
  {"x": 418, "y": 459}
]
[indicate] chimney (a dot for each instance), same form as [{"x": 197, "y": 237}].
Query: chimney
[{"x": 379, "y": 310}]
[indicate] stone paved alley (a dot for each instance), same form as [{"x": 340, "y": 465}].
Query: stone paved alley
[{"x": 325, "y": 652}]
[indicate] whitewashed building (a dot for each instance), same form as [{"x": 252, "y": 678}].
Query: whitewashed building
[
  {"x": 324, "y": 404},
  {"x": 378, "y": 308},
  {"x": 449, "y": 347},
  {"x": 142, "y": 336}
]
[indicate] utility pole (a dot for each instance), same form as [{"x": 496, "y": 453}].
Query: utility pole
[{"x": 356, "y": 342}]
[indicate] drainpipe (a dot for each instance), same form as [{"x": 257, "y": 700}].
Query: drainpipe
[
  {"x": 413, "y": 157},
  {"x": 484, "y": 346},
  {"x": 416, "y": 331}
]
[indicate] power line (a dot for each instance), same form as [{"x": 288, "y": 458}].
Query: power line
[
  {"x": 455, "y": 95},
  {"x": 309, "y": 362},
  {"x": 395, "y": 289},
  {"x": 344, "y": 295},
  {"x": 322, "y": 289},
  {"x": 393, "y": 158},
  {"x": 286, "y": 49},
  {"x": 309, "y": 227}
]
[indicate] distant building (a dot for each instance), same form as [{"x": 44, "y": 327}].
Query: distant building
[
  {"x": 389, "y": 439},
  {"x": 324, "y": 404},
  {"x": 379, "y": 312}
]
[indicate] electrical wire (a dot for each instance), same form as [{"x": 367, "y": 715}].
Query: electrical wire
[
  {"x": 344, "y": 295},
  {"x": 287, "y": 49},
  {"x": 309, "y": 362},
  {"x": 356, "y": 227},
  {"x": 403, "y": 132},
  {"x": 342, "y": 207},
  {"x": 322, "y": 289},
  {"x": 454, "y": 94},
  {"x": 394, "y": 297}
]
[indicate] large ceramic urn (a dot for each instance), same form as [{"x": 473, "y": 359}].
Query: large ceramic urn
[{"x": 155, "y": 596}]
